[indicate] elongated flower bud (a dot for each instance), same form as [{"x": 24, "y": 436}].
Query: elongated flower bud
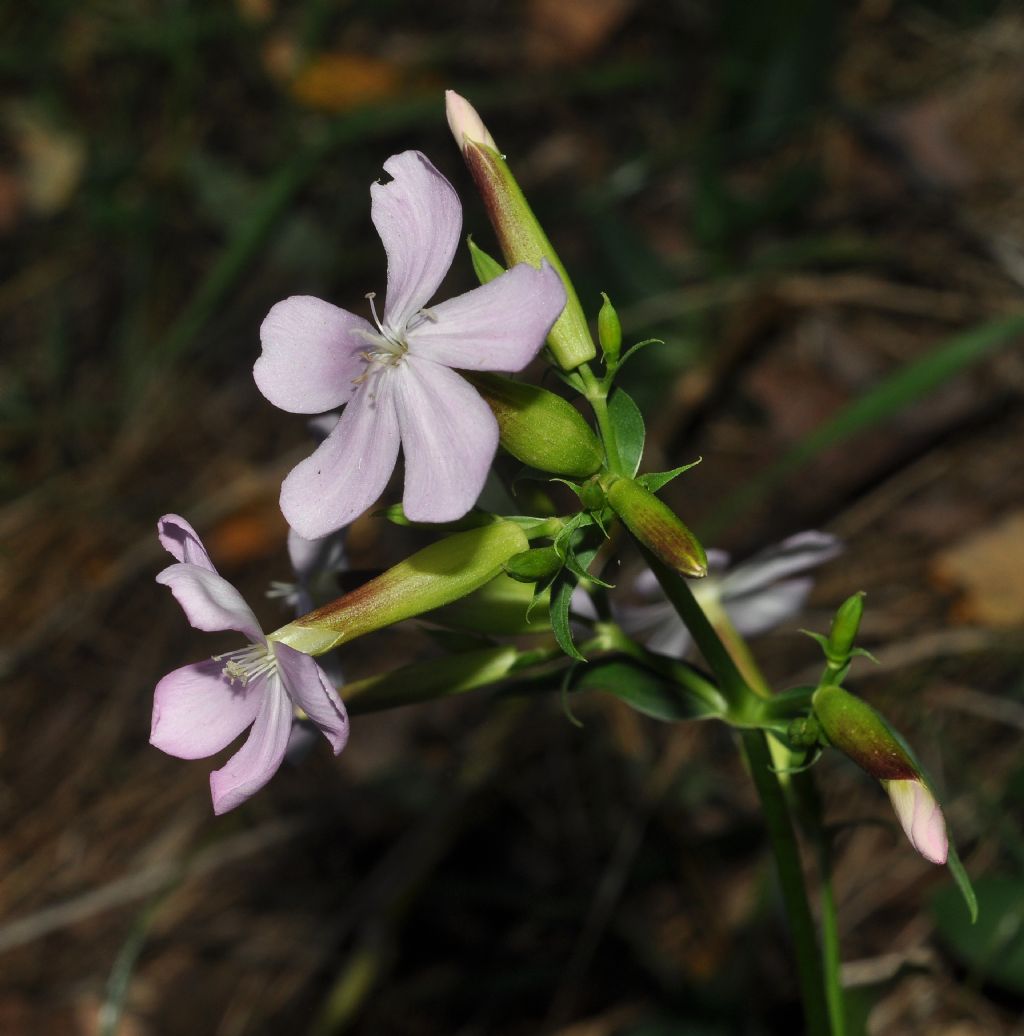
[
  {"x": 843, "y": 631},
  {"x": 657, "y": 527},
  {"x": 853, "y": 727},
  {"x": 920, "y": 817},
  {"x": 425, "y": 681},
  {"x": 540, "y": 428},
  {"x": 430, "y": 578},
  {"x": 609, "y": 332},
  {"x": 533, "y": 565},
  {"x": 502, "y": 606},
  {"x": 520, "y": 235}
]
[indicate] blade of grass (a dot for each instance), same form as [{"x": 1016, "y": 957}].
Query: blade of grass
[{"x": 911, "y": 383}]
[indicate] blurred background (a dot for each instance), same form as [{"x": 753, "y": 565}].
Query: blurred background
[{"x": 817, "y": 206}]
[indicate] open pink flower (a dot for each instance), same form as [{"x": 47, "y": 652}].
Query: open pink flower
[
  {"x": 396, "y": 377},
  {"x": 201, "y": 708}
]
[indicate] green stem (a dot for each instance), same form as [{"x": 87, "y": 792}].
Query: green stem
[
  {"x": 740, "y": 699},
  {"x": 791, "y": 879},
  {"x": 744, "y": 702},
  {"x": 597, "y": 396}
]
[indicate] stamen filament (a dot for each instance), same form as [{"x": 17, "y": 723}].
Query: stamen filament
[{"x": 248, "y": 663}]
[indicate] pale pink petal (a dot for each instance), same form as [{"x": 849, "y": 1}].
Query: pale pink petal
[
  {"x": 209, "y": 601},
  {"x": 449, "y": 438},
  {"x": 796, "y": 554},
  {"x": 258, "y": 759},
  {"x": 311, "y": 557},
  {"x": 309, "y": 687},
  {"x": 179, "y": 539},
  {"x": 497, "y": 327},
  {"x": 350, "y": 468},
  {"x": 419, "y": 219},
  {"x": 311, "y": 355},
  {"x": 920, "y": 817},
  {"x": 197, "y": 712},
  {"x": 766, "y": 608}
]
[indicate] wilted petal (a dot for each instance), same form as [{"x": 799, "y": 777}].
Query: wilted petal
[
  {"x": 449, "y": 437},
  {"x": 179, "y": 539},
  {"x": 209, "y": 601},
  {"x": 497, "y": 327},
  {"x": 920, "y": 817},
  {"x": 419, "y": 218},
  {"x": 258, "y": 759},
  {"x": 350, "y": 469},
  {"x": 309, "y": 687},
  {"x": 311, "y": 355},
  {"x": 767, "y": 608},
  {"x": 197, "y": 712},
  {"x": 796, "y": 554}
]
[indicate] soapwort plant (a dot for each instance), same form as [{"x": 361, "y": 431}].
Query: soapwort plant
[{"x": 432, "y": 380}]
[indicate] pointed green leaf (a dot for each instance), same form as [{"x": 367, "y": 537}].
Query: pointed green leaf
[
  {"x": 628, "y": 423},
  {"x": 486, "y": 267},
  {"x": 654, "y": 480}
]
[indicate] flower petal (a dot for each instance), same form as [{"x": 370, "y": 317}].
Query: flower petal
[
  {"x": 350, "y": 468},
  {"x": 179, "y": 539},
  {"x": 449, "y": 437},
  {"x": 197, "y": 712},
  {"x": 419, "y": 219},
  {"x": 209, "y": 601},
  {"x": 921, "y": 818},
  {"x": 311, "y": 355},
  {"x": 309, "y": 687},
  {"x": 769, "y": 607},
  {"x": 259, "y": 758},
  {"x": 497, "y": 327},
  {"x": 796, "y": 554},
  {"x": 309, "y": 558}
]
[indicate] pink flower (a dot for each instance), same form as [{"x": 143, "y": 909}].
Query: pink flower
[
  {"x": 920, "y": 817},
  {"x": 201, "y": 708},
  {"x": 396, "y": 377}
]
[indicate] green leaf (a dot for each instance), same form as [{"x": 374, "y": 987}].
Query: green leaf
[
  {"x": 561, "y": 595},
  {"x": 654, "y": 480},
  {"x": 992, "y": 949},
  {"x": 635, "y": 349},
  {"x": 643, "y": 690},
  {"x": 486, "y": 267},
  {"x": 628, "y": 424}
]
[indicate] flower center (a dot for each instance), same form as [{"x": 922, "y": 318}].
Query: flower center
[{"x": 248, "y": 663}]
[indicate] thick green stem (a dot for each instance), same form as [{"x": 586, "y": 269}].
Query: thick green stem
[
  {"x": 596, "y": 392},
  {"x": 791, "y": 879}
]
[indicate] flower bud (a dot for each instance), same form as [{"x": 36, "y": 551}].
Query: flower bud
[
  {"x": 657, "y": 527},
  {"x": 853, "y": 727},
  {"x": 498, "y": 608},
  {"x": 520, "y": 235},
  {"x": 533, "y": 565},
  {"x": 920, "y": 817},
  {"x": 540, "y": 428},
  {"x": 425, "y": 681},
  {"x": 843, "y": 631},
  {"x": 430, "y": 578},
  {"x": 609, "y": 332}
]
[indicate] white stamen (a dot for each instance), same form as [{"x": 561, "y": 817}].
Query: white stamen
[{"x": 248, "y": 663}]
